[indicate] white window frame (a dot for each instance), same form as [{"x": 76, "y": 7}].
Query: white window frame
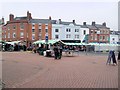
[
  {"x": 83, "y": 32},
  {"x": 21, "y": 34},
  {"x": 57, "y": 29},
  {"x": 21, "y": 26},
  {"x": 33, "y": 35},
  {"x": 14, "y": 34},
  {"x": 95, "y": 37},
  {"x": 8, "y": 27},
  {"x": 8, "y": 35},
  {"x": 56, "y": 35}
]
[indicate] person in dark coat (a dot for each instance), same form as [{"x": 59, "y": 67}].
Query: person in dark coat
[
  {"x": 119, "y": 56},
  {"x": 60, "y": 51},
  {"x": 56, "y": 52},
  {"x": 24, "y": 47},
  {"x": 114, "y": 58}
]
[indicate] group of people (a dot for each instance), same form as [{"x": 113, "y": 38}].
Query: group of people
[
  {"x": 15, "y": 47},
  {"x": 57, "y": 51},
  {"x": 111, "y": 57}
]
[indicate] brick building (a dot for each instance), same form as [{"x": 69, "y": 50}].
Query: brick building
[
  {"x": 1, "y": 25},
  {"x": 98, "y": 33},
  {"x": 26, "y": 29}
]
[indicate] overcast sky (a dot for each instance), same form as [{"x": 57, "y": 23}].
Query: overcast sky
[{"x": 67, "y": 11}]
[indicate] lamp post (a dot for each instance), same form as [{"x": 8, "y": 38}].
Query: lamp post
[
  {"x": 46, "y": 39},
  {"x": 86, "y": 41},
  {"x": 98, "y": 33}
]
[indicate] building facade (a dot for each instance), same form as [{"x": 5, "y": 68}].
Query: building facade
[
  {"x": 26, "y": 29},
  {"x": 66, "y": 31},
  {"x": 98, "y": 33},
  {"x": 84, "y": 33},
  {"x": 16, "y": 29},
  {"x": 114, "y": 37},
  {"x": 1, "y": 26}
]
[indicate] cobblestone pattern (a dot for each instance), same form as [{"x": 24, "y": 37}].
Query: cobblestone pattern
[{"x": 28, "y": 70}]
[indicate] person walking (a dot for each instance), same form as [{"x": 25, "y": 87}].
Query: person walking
[
  {"x": 109, "y": 58},
  {"x": 60, "y": 52},
  {"x": 56, "y": 53},
  {"x": 114, "y": 58},
  {"x": 119, "y": 56}
]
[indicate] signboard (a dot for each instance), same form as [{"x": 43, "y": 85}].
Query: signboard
[
  {"x": 46, "y": 37},
  {"x": 86, "y": 39}
]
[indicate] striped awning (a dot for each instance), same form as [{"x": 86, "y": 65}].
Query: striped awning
[
  {"x": 49, "y": 42},
  {"x": 73, "y": 43}
]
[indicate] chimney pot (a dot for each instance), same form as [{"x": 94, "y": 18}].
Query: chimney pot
[
  {"x": 93, "y": 23},
  {"x": 104, "y": 24},
  {"x": 49, "y": 17},
  {"x": 11, "y": 17},
  {"x": 59, "y": 21},
  {"x": 73, "y": 21},
  {"x": 29, "y": 15},
  {"x": 84, "y": 23}
]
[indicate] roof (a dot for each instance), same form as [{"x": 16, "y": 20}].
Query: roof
[
  {"x": 97, "y": 26},
  {"x": 83, "y": 26},
  {"x": 20, "y": 18},
  {"x": 68, "y": 23},
  {"x": 73, "y": 44},
  {"x": 42, "y": 21},
  {"x": 91, "y": 27},
  {"x": 115, "y": 32},
  {"x": 50, "y": 21},
  {"x": 65, "y": 23},
  {"x": 101, "y": 26}
]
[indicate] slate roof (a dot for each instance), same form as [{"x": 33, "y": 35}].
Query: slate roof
[
  {"x": 115, "y": 32},
  {"x": 83, "y": 26},
  {"x": 65, "y": 23},
  {"x": 92, "y": 27},
  {"x": 101, "y": 26},
  {"x": 50, "y": 21},
  {"x": 42, "y": 21},
  {"x": 20, "y": 18},
  {"x": 97, "y": 26}
]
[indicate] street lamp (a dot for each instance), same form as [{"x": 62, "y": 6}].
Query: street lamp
[
  {"x": 46, "y": 39},
  {"x": 87, "y": 41},
  {"x": 98, "y": 33}
]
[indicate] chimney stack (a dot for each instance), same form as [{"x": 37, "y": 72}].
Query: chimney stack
[
  {"x": 49, "y": 17},
  {"x": 2, "y": 20},
  {"x": 93, "y": 23},
  {"x": 104, "y": 24},
  {"x": 59, "y": 21},
  {"x": 29, "y": 15},
  {"x": 73, "y": 21},
  {"x": 84, "y": 23},
  {"x": 11, "y": 17}
]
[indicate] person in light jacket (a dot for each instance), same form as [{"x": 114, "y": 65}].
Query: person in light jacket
[{"x": 109, "y": 57}]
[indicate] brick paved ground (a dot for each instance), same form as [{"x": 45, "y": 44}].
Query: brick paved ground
[{"x": 28, "y": 70}]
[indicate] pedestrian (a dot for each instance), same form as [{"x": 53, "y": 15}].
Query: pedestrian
[
  {"x": 24, "y": 47},
  {"x": 60, "y": 52},
  {"x": 119, "y": 56},
  {"x": 109, "y": 57},
  {"x": 56, "y": 53},
  {"x": 114, "y": 58}
]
